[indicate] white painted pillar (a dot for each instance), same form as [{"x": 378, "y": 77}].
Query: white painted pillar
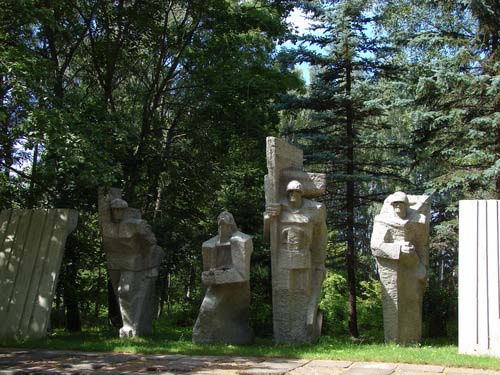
[{"x": 479, "y": 277}]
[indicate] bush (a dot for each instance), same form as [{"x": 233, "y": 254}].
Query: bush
[{"x": 335, "y": 306}]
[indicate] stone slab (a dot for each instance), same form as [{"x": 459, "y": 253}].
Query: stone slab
[
  {"x": 329, "y": 363},
  {"x": 274, "y": 366},
  {"x": 72, "y": 363},
  {"x": 31, "y": 250},
  {"x": 375, "y": 365},
  {"x": 411, "y": 368},
  {"x": 368, "y": 371},
  {"x": 478, "y": 277},
  {"x": 469, "y": 371},
  {"x": 317, "y": 370}
]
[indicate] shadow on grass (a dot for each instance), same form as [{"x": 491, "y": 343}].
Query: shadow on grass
[{"x": 177, "y": 340}]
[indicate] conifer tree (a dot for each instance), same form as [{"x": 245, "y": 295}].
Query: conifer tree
[{"x": 346, "y": 132}]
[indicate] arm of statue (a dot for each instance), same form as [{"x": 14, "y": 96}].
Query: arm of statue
[
  {"x": 381, "y": 243},
  {"x": 318, "y": 256},
  {"x": 320, "y": 238},
  {"x": 272, "y": 211},
  {"x": 208, "y": 278},
  {"x": 241, "y": 251},
  {"x": 147, "y": 233},
  {"x": 228, "y": 276},
  {"x": 318, "y": 275}
]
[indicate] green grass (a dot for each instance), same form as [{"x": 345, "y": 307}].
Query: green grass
[{"x": 169, "y": 340}]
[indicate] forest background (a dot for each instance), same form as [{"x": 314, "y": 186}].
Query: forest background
[{"x": 172, "y": 100}]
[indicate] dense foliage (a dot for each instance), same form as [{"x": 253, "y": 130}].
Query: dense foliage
[{"x": 172, "y": 100}]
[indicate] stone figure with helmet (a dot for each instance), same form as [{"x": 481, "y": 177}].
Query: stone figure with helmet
[{"x": 400, "y": 243}]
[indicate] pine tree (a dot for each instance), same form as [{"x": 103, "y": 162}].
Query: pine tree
[{"x": 346, "y": 133}]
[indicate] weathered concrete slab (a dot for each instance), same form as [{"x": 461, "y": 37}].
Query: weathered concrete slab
[
  {"x": 67, "y": 362},
  {"x": 274, "y": 366},
  {"x": 479, "y": 277},
  {"x": 367, "y": 371},
  {"x": 469, "y": 371},
  {"x": 329, "y": 363},
  {"x": 410, "y": 368},
  {"x": 375, "y": 365},
  {"x": 31, "y": 250},
  {"x": 415, "y": 372},
  {"x": 322, "y": 367}
]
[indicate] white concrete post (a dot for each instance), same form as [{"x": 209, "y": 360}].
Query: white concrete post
[{"x": 479, "y": 278}]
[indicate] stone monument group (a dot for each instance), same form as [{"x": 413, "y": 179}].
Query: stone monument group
[{"x": 32, "y": 243}]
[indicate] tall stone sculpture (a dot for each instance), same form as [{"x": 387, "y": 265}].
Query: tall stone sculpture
[
  {"x": 224, "y": 312},
  {"x": 31, "y": 250},
  {"x": 479, "y": 277},
  {"x": 400, "y": 242},
  {"x": 133, "y": 259},
  {"x": 296, "y": 229}
]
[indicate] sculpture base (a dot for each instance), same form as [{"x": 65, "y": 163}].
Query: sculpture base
[{"x": 223, "y": 316}]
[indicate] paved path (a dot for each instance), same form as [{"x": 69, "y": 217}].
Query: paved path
[{"x": 34, "y": 361}]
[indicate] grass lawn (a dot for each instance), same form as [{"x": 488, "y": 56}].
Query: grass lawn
[{"x": 169, "y": 340}]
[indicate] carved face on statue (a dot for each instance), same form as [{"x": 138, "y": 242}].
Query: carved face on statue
[
  {"x": 295, "y": 191},
  {"x": 400, "y": 209},
  {"x": 118, "y": 207},
  {"x": 227, "y": 226},
  {"x": 399, "y": 202}
]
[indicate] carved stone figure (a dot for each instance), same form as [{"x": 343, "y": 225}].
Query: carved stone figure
[
  {"x": 31, "y": 250},
  {"x": 400, "y": 242},
  {"x": 224, "y": 312},
  {"x": 133, "y": 259},
  {"x": 296, "y": 229}
]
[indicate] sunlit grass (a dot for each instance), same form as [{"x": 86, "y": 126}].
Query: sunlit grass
[{"x": 174, "y": 340}]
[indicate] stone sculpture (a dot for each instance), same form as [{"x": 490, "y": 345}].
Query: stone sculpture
[
  {"x": 31, "y": 250},
  {"x": 296, "y": 229},
  {"x": 400, "y": 242},
  {"x": 133, "y": 259},
  {"x": 479, "y": 277},
  {"x": 224, "y": 312}
]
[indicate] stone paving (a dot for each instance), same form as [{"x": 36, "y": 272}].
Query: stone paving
[{"x": 52, "y": 362}]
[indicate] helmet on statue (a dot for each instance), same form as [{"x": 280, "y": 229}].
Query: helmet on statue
[
  {"x": 398, "y": 197},
  {"x": 295, "y": 185}
]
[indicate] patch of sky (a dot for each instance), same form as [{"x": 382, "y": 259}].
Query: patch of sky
[{"x": 302, "y": 24}]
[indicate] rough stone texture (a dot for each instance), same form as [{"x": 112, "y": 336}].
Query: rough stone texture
[
  {"x": 297, "y": 238},
  {"x": 368, "y": 371},
  {"x": 321, "y": 367},
  {"x": 375, "y": 365},
  {"x": 400, "y": 242},
  {"x": 274, "y": 367},
  {"x": 35, "y": 361},
  {"x": 329, "y": 363},
  {"x": 479, "y": 278},
  {"x": 133, "y": 259},
  {"x": 408, "y": 368},
  {"x": 31, "y": 250},
  {"x": 224, "y": 312},
  {"x": 469, "y": 371},
  {"x": 416, "y": 372}
]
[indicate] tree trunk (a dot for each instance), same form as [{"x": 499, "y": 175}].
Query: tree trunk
[
  {"x": 350, "y": 196},
  {"x": 70, "y": 295}
]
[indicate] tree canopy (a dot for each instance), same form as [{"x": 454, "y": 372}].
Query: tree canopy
[{"x": 172, "y": 100}]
